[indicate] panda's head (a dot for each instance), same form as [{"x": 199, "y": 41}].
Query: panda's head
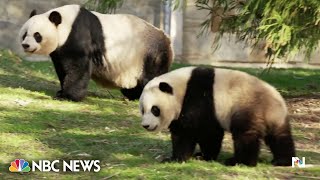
[
  {"x": 39, "y": 34},
  {"x": 158, "y": 105}
]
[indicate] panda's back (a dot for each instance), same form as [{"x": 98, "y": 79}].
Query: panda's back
[
  {"x": 236, "y": 92},
  {"x": 127, "y": 39},
  {"x": 128, "y": 30}
]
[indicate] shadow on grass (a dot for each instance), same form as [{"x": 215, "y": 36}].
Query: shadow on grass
[
  {"x": 125, "y": 146},
  {"x": 84, "y": 132},
  {"x": 34, "y": 76},
  {"x": 49, "y": 88},
  {"x": 23, "y": 74},
  {"x": 32, "y": 83}
]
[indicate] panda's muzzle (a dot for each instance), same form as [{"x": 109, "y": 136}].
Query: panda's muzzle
[
  {"x": 26, "y": 48},
  {"x": 147, "y": 127}
]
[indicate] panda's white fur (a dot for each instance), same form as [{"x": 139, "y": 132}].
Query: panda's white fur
[
  {"x": 119, "y": 69},
  {"x": 129, "y": 44},
  {"x": 198, "y": 104},
  {"x": 54, "y": 37},
  {"x": 169, "y": 105}
]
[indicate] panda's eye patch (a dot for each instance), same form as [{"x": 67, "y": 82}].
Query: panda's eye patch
[
  {"x": 24, "y": 36},
  {"x": 37, "y": 37},
  {"x": 155, "y": 111}
]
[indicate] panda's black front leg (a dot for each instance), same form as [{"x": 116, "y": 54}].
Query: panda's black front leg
[
  {"x": 58, "y": 66},
  {"x": 133, "y": 93},
  {"x": 183, "y": 147},
  {"x": 74, "y": 75}
]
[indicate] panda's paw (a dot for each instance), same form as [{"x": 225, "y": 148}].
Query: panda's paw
[
  {"x": 198, "y": 156},
  {"x": 172, "y": 159},
  {"x": 63, "y": 96},
  {"x": 59, "y": 93},
  {"x": 59, "y": 96},
  {"x": 230, "y": 162},
  {"x": 281, "y": 162}
]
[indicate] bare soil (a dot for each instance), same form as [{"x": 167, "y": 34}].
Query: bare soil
[
  {"x": 306, "y": 109},
  {"x": 305, "y": 120}
]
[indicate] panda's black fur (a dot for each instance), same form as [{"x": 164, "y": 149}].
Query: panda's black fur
[
  {"x": 197, "y": 122},
  {"x": 74, "y": 60}
]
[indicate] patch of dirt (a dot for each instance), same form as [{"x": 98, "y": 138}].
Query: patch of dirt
[
  {"x": 306, "y": 109},
  {"x": 304, "y": 113}
]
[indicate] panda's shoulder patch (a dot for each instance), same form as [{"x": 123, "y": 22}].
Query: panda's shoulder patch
[{"x": 201, "y": 77}]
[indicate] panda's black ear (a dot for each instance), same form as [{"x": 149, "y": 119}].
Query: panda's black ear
[
  {"x": 33, "y": 12},
  {"x": 165, "y": 87},
  {"x": 55, "y": 18}
]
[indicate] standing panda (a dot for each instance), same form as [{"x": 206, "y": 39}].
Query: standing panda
[
  {"x": 198, "y": 104},
  {"x": 116, "y": 51}
]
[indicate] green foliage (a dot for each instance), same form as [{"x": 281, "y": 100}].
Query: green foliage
[
  {"x": 176, "y": 4},
  {"x": 287, "y": 26},
  {"x": 103, "y": 6}
]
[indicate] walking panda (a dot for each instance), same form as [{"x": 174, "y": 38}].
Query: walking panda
[
  {"x": 116, "y": 51},
  {"x": 198, "y": 104}
]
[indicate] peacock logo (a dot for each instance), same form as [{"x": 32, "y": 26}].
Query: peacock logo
[{"x": 19, "y": 165}]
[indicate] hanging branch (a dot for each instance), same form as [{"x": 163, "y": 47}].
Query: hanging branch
[
  {"x": 104, "y": 6},
  {"x": 287, "y": 26}
]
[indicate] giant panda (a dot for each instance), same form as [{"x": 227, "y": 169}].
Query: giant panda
[
  {"x": 198, "y": 104},
  {"x": 116, "y": 51}
]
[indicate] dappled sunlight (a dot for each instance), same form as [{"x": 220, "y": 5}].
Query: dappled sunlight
[
  {"x": 28, "y": 145},
  {"x": 104, "y": 126},
  {"x": 30, "y": 119},
  {"x": 49, "y": 87},
  {"x": 101, "y": 146},
  {"x": 39, "y": 102},
  {"x": 133, "y": 166}
]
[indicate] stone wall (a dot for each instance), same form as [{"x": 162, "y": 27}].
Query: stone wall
[
  {"x": 149, "y": 10},
  {"x": 198, "y": 50}
]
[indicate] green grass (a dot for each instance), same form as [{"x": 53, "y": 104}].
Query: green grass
[
  {"x": 33, "y": 126},
  {"x": 290, "y": 82}
]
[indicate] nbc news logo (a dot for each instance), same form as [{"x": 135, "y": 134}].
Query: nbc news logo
[
  {"x": 20, "y": 165},
  {"x": 296, "y": 162}
]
